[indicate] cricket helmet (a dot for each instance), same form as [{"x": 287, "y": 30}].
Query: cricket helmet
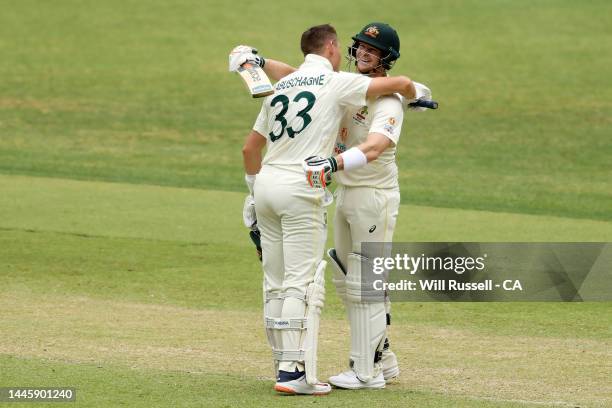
[{"x": 380, "y": 36}]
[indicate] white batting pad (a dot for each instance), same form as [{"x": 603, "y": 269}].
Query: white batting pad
[
  {"x": 315, "y": 296},
  {"x": 292, "y": 326},
  {"x": 367, "y": 320}
]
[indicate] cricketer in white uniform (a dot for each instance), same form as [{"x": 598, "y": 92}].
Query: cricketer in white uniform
[
  {"x": 367, "y": 207},
  {"x": 300, "y": 120}
]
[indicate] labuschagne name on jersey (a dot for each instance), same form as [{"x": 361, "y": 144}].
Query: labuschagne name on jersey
[
  {"x": 318, "y": 80},
  {"x": 360, "y": 116}
]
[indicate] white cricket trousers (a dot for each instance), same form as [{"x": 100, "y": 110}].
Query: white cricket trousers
[
  {"x": 293, "y": 225},
  {"x": 363, "y": 214}
]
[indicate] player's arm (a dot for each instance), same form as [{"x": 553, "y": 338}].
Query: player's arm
[
  {"x": 318, "y": 169},
  {"x": 251, "y": 156},
  {"x": 389, "y": 85},
  {"x": 372, "y": 147},
  {"x": 252, "y": 153},
  {"x": 277, "y": 69},
  {"x": 384, "y": 133}
]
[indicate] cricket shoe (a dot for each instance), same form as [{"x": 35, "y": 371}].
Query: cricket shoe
[
  {"x": 390, "y": 368},
  {"x": 348, "y": 380},
  {"x": 288, "y": 384}
]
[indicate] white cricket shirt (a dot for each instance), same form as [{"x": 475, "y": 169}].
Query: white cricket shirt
[
  {"x": 302, "y": 117},
  {"x": 383, "y": 115}
]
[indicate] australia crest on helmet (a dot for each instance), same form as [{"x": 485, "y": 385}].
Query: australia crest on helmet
[{"x": 372, "y": 31}]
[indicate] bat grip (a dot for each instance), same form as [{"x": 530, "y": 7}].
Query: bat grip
[{"x": 421, "y": 103}]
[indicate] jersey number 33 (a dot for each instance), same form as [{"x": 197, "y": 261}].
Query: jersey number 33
[{"x": 280, "y": 117}]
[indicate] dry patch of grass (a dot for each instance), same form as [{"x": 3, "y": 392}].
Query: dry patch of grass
[{"x": 440, "y": 360}]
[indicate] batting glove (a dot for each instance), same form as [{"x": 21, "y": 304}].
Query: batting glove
[
  {"x": 248, "y": 213},
  {"x": 423, "y": 93},
  {"x": 243, "y": 53},
  {"x": 319, "y": 170},
  {"x": 250, "y": 221}
]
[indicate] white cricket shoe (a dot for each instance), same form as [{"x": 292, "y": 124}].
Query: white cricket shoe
[
  {"x": 301, "y": 387},
  {"x": 390, "y": 368},
  {"x": 349, "y": 381}
]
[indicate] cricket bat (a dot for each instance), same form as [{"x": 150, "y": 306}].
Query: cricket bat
[{"x": 256, "y": 80}]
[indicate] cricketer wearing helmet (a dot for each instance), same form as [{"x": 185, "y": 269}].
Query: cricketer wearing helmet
[
  {"x": 301, "y": 119},
  {"x": 367, "y": 201},
  {"x": 367, "y": 205}
]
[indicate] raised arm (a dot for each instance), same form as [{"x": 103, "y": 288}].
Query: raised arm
[
  {"x": 277, "y": 69},
  {"x": 389, "y": 85}
]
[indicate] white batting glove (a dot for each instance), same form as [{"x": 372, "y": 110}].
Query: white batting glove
[
  {"x": 422, "y": 92},
  {"x": 248, "y": 213},
  {"x": 319, "y": 171},
  {"x": 243, "y": 53}
]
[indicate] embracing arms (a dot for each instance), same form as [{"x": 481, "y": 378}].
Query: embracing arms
[{"x": 277, "y": 70}]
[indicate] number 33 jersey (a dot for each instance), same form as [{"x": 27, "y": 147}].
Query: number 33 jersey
[{"x": 302, "y": 117}]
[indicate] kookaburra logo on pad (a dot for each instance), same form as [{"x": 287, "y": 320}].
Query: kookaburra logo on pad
[{"x": 372, "y": 31}]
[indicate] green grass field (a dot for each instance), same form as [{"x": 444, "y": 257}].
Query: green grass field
[{"x": 126, "y": 271}]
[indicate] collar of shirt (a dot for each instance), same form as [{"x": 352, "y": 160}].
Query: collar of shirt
[{"x": 314, "y": 60}]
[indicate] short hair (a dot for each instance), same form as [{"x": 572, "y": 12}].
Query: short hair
[{"x": 314, "y": 39}]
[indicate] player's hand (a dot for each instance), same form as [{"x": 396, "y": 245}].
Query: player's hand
[
  {"x": 423, "y": 93},
  {"x": 243, "y": 53},
  {"x": 248, "y": 213},
  {"x": 318, "y": 171}
]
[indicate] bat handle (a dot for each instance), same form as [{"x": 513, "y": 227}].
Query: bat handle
[{"x": 425, "y": 104}]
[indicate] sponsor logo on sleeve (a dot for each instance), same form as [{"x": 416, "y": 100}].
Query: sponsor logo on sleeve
[{"x": 390, "y": 127}]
